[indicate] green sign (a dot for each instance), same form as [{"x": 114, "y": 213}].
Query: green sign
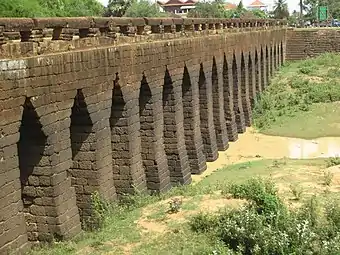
[{"x": 322, "y": 13}]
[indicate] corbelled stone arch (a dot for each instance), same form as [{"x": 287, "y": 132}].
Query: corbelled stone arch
[
  {"x": 128, "y": 172},
  {"x": 31, "y": 147},
  {"x": 174, "y": 138},
  {"x": 151, "y": 131},
  {"x": 228, "y": 96},
  {"x": 206, "y": 116},
  {"x": 244, "y": 83},
  {"x": 237, "y": 95},
  {"x": 44, "y": 158},
  {"x": 90, "y": 134},
  {"x": 192, "y": 123},
  {"x": 218, "y": 105}
]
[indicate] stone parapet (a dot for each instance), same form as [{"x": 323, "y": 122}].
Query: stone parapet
[{"x": 36, "y": 36}]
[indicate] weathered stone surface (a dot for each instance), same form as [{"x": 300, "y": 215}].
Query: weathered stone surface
[
  {"x": 306, "y": 43},
  {"x": 123, "y": 117}
]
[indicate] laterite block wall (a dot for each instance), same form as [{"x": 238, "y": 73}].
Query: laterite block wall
[
  {"x": 306, "y": 43},
  {"x": 114, "y": 119}
]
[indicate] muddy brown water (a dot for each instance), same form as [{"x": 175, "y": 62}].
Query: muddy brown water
[{"x": 254, "y": 146}]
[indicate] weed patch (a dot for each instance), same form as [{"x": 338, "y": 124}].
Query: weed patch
[
  {"x": 266, "y": 226},
  {"x": 296, "y": 88}
]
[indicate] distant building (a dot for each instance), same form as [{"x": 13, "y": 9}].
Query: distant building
[
  {"x": 177, "y": 6},
  {"x": 258, "y": 5},
  {"x": 230, "y": 6}
]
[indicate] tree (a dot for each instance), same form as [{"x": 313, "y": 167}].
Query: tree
[
  {"x": 117, "y": 8},
  {"x": 143, "y": 8},
  {"x": 240, "y": 6},
  {"x": 50, "y": 8},
  {"x": 208, "y": 10},
  {"x": 281, "y": 9}
]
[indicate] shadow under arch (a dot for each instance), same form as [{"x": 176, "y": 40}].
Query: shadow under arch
[
  {"x": 119, "y": 140},
  {"x": 81, "y": 145},
  {"x": 237, "y": 91},
  {"x": 31, "y": 147},
  {"x": 191, "y": 112}
]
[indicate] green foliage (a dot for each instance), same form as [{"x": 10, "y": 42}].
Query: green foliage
[
  {"x": 297, "y": 86},
  {"x": 21, "y": 8},
  {"x": 208, "y": 10},
  {"x": 174, "y": 205},
  {"x": 312, "y": 229},
  {"x": 281, "y": 9},
  {"x": 262, "y": 195},
  {"x": 333, "y": 161},
  {"x": 50, "y": 8},
  {"x": 118, "y": 8},
  {"x": 327, "y": 177},
  {"x": 100, "y": 211},
  {"x": 143, "y": 8},
  {"x": 296, "y": 191}
]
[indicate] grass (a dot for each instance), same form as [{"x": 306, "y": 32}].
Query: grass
[{"x": 302, "y": 100}]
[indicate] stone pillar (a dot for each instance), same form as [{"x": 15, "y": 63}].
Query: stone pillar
[
  {"x": 91, "y": 148},
  {"x": 272, "y": 61},
  {"x": 228, "y": 96},
  {"x": 283, "y": 53},
  {"x": 174, "y": 138},
  {"x": 258, "y": 71},
  {"x": 218, "y": 106},
  {"x": 238, "y": 109},
  {"x": 45, "y": 157},
  {"x": 127, "y": 165},
  {"x": 244, "y": 84},
  {"x": 268, "y": 65},
  {"x": 251, "y": 79},
  {"x": 264, "y": 69},
  {"x": 192, "y": 123},
  {"x": 276, "y": 59},
  {"x": 13, "y": 234},
  {"x": 151, "y": 128},
  {"x": 206, "y": 114}
]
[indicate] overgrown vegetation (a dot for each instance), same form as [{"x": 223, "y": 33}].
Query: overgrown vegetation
[
  {"x": 267, "y": 226},
  {"x": 50, "y": 8},
  {"x": 296, "y": 88}
]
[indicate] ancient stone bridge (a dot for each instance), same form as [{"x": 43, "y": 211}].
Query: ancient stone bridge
[{"x": 117, "y": 105}]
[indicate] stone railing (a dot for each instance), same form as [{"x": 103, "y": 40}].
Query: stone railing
[{"x": 112, "y": 30}]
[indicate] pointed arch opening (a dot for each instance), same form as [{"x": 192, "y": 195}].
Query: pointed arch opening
[
  {"x": 191, "y": 113},
  {"x": 268, "y": 63},
  {"x": 83, "y": 157},
  {"x": 238, "y": 109},
  {"x": 252, "y": 86},
  {"x": 228, "y": 102},
  {"x": 31, "y": 147},
  {"x": 119, "y": 140},
  {"x": 281, "y": 53}
]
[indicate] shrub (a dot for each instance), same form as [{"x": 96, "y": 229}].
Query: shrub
[
  {"x": 100, "y": 209},
  {"x": 312, "y": 229}
]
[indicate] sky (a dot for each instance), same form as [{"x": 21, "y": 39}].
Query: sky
[{"x": 292, "y": 4}]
